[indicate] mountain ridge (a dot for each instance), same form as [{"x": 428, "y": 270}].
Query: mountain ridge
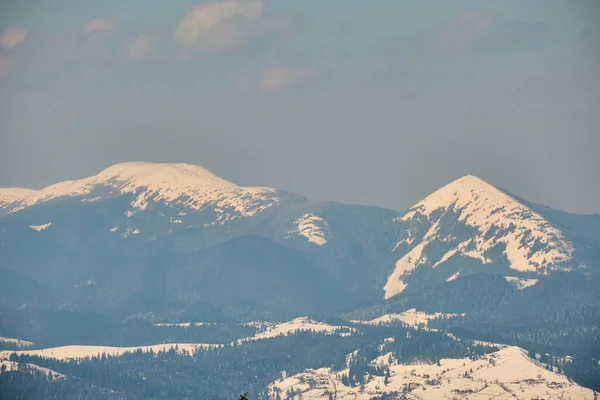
[
  {"x": 185, "y": 184},
  {"x": 167, "y": 211}
]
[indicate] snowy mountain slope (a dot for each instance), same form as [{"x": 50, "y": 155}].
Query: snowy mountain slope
[
  {"x": 148, "y": 200},
  {"x": 507, "y": 373},
  {"x": 315, "y": 229},
  {"x": 133, "y": 225},
  {"x": 125, "y": 228},
  {"x": 472, "y": 223},
  {"x": 187, "y": 185},
  {"x": 14, "y": 195}
]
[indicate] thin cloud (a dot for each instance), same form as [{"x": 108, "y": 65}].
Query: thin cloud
[
  {"x": 277, "y": 78},
  {"x": 12, "y": 37},
  {"x": 222, "y": 25},
  {"x": 99, "y": 25},
  {"x": 140, "y": 48}
]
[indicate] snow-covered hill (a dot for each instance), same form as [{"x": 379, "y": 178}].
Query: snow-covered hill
[
  {"x": 84, "y": 351},
  {"x": 8, "y": 366},
  {"x": 505, "y": 374},
  {"x": 266, "y": 330},
  {"x": 471, "y": 222},
  {"x": 410, "y": 317}
]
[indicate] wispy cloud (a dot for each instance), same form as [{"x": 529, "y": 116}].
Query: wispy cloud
[
  {"x": 139, "y": 48},
  {"x": 280, "y": 77},
  {"x": 12, "y": 37},
  {"x": 99, "y": 25},
  {"x": 222, "y": 25}
]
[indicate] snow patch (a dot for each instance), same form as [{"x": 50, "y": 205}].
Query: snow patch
[
  {"x": 130, "y": 231},
  {"x": 410, "y": 261},
  {"x": 315, "y": 229},
  {"x": 40, "y": 228},
  {"x": 520, "y": 283},
  {"x": 453, "y": 277},
  {"x": 183, "y": 324}
]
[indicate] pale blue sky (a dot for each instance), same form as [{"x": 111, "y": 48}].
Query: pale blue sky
[{"x": 372, "y": 102}]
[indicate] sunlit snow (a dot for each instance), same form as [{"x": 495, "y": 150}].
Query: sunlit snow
[
  {"x": 41, "y": 227},
  {"x": 14, "y": 366},
  {"x": 410, "y": 317},
  {"x": 73, "y": 352},
  {"x": 187, "y": 185},
  {"x": 482, "y": 206},
  {"x": 267, "y": 331},
  {"x": 531, "y": 243},
  {"x": 17, "y": 342},
  {"x": 520, "y": 283},
  {"x": 505, "y": 374},
  {"x": 453, "y": 277},
  {"x": 315, "y": 229}
]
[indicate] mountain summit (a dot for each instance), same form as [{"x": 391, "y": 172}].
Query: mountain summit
[
  {"x": 188, "y": 185},
  {"x": 472, "y": 223}
]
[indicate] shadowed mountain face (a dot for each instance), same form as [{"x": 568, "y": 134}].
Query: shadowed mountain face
[{"x": 172, "y": 239}]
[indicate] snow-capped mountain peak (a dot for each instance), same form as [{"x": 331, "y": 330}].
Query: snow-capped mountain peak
[
  {"x": 182, "y": 184},
  {"x": 497, "y": 228},
  {"x": 466, "y": 191},
  {"x": 166, "y": 176}
]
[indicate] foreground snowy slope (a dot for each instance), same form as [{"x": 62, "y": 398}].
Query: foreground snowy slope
[{"x": 505, "y": 374}]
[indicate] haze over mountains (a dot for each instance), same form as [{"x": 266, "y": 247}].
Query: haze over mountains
[
  {"x": 140, "y": 235},
  {"x": 143, "y": 254}
]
